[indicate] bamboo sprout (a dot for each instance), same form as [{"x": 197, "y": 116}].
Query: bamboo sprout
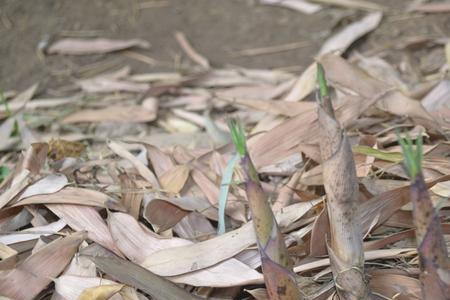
[
  {"x": 433, "y": 255},
  {"x": 345, "y": 246},
  {"x": 277, "y": 269}
]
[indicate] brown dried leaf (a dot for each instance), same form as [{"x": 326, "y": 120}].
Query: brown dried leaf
[
  {"x": 174, "y": 179},
  {"x": 118, "y": 113},
  {"x": 78, "y": 46},
  {"x": 102, "y": 292},
  {"x": 140, "y": 278},
  {"x": 71, "y": 195},
  {"x": 163, "y": 214},
  {"x": 35, "y": 273},
  {"x": 85, "y": 218},
  {"x": 137, "y": 243},
  {"x": 343, "y": 39},
  {"x": 145, "y": 172},
  {"x": 131, "y": 196},
  {"x": 72, "y": 287}
]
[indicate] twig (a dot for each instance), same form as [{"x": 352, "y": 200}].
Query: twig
[{"x": 271, "y": 49}]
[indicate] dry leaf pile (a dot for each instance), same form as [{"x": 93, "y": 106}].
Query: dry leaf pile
[{"x": 112, "y": 192}]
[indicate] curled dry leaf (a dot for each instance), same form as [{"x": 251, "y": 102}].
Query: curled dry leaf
[
  {"x": 343, "y": 39},
  {"x": 38, "y": 269},
  {"x": 190, "y": 51},
  {"x": 78, "y": 46},
  {"x": 145, "y": 172}
]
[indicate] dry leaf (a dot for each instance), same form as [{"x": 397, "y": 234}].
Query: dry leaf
[
  {"x": 85, "y": 218},
  {"x": 102, "y": 292},
  {"x": 134, "y": 275},
  {"x": 32, "y": 233},
  {"x": 73, "y": 287},
  {"x": 35, "y": 273},
  {"x": 72, "y": 195},
  {"x": 135, "y": 243},
  {"x": 190, "y": 51},
  {"x": 343, "y": 39},
  {"x": 78, "y": 46},
  {"x": 297, "y": 5},
  {"x": 145, "y": 172},
  {"x": 174, "y": 179},
  {"x": 131, "y": 113}
]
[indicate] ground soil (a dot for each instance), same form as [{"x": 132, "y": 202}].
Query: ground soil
[{"x": 214, "y": 27}]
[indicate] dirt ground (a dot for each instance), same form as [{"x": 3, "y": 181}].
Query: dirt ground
[{"x": 215, "y": 27}]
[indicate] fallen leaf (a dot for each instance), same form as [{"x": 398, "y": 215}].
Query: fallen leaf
[
  {"x": 297, "y": 5},
  {"x": 343, "y": 39},
  {"x": 32, "y": 233},
  {"x": 71, "y": 195},
  {"x": 134, "y": 275},
  {"x": 85, "y": 218},
  {"x": 73, "y": 287},
  {"x": 174, "y": 179},
  {"x": 131, "y": 113},
  {"x": 102, "y": 292},
  {"x": 190, "y": 51},
  {"x": 38, "y": 269},
  {"x": 78, "y": 46}
]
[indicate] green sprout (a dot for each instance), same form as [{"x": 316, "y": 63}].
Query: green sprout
[
  {"x": 323, "y": 87},
  {"x": 238, "y": 136},
  {"x": 412, "y": 157}
]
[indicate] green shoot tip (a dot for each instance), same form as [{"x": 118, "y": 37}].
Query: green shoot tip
[
  {"x": 238, "y": 136},
  {"x": 412, "y": 157},
  {"x": 323, "y": 87}
]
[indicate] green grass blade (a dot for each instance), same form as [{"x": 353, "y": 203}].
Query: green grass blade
[{"x": 238, "y": 136}]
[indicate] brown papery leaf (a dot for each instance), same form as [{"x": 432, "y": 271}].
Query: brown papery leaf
[
  {"x": 72, "y": 287},
  {"x": 71, "y": 195},
  {"x": 134, "y": 275},
  {"x": 102, "y": 292},
  {"x": 78, "y": 46},
  {"x": 234, "y": 208},
  {"x": 85, "y": 218},
  {"x": 119, "y": 149},
  {"x": 174, "y": 179},
  {"x": 398, "y": 286},
  {"x": 343, "y": 39},
  {"x": 163, "y": 214},
  {"x": 161, "y": 162},
  {"x": 137, "y": 243},
  {"x": 345, "y": 75},
  {"x": 179, "y": 260},
  {"x": 131, "y": 195},
  {"x": 130, "y": 113},
  {"x": 35, "y": 273}
]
